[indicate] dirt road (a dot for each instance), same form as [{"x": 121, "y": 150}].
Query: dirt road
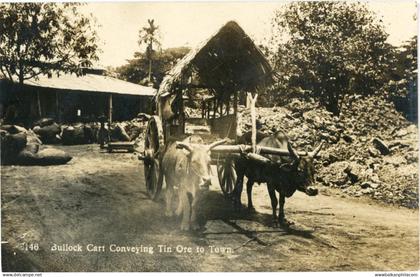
[{"x": 99, "y": 199}]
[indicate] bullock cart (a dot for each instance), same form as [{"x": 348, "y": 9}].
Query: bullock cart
[{"x": 201, "y": 96}]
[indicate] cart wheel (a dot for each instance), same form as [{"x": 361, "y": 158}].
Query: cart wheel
[
  {"x": 227, "y": 176},
  {"x": 153, "y": 145}
]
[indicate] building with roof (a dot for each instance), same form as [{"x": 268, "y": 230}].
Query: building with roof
[{"x": 70, "y": 98}]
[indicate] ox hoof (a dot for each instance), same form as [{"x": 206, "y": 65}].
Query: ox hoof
[
  {"x": 285, "y": 223},
  {"x": 169, "y": 213},
  {"x": 195, "y": 227},
  {"x": 251, "y": 210},
  {"x": 275, "y": 223},
  {"x": 237, "y": 206},
  {"x": 185, "y": 228}
]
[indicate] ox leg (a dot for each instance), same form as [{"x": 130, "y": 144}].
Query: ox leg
[
  {"x": 169, "y": 196},
  {"x": 194, "y": 206},
  {"x": 184, "y": 206},
  {"x": 237, "y": 191},
  {"x": 282, "y": 219},
  {"x": 274, "y": 202},
  {"x": 249, "y": 185}
]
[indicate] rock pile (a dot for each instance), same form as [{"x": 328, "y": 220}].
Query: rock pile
[{"x": 371, "y": 148}]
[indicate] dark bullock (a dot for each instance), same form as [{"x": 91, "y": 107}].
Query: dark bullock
[{"x": 283, "y": 174}]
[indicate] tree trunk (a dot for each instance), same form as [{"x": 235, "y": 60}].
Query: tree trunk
[
  {"x": 150, "y": 61},
  {"x": 150, "y": 70},
  {"x": 21, "y": 75}
]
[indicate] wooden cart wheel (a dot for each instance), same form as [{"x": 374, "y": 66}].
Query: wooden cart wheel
[
  {"x": 227, "y": 176},
  {"x": 153, "y": 145}
]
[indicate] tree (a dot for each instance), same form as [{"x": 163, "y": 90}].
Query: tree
[
  {"x": 137, "y": 69},
  {"x": 328, "y": 49},
  {"x": 149, "y": 36},
  {"x": 402, "y": 75},
  {"x": 42, "y": 38}
]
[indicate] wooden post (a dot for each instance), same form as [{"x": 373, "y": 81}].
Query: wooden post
[
  {"x": 228, "y": 106},
  {"x": 38, "y": 100},
  {"x": 182, "y": 115},
  {"x": 235, "y": 103},
  {"x": 214, "y": 108},
  {"x": 57, "y": 107},
  {"x": 252, "y": 101},
  {"x": 110, "y": 112},
  {"x": 235, "y": 112}
]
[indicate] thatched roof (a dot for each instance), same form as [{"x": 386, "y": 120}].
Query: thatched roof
[{"x": 227, "y": 61}]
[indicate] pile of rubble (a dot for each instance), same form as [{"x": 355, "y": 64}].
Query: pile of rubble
[{"x": 371, "y": 148}]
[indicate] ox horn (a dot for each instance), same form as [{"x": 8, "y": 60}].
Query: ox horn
[
  {"x": 216, "y": 143},
  {"x": 292, "y": 151},
  {"x": 316, "y": 150},
  {"x": 183, "y": 145}
]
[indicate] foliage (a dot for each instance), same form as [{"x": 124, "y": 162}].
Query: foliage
[
  {"x": 40, "y": 38},
  {"x": 136, "y": 70},
  {"x": 328, "y": 49},
  {"x": 402, "y": 85}
]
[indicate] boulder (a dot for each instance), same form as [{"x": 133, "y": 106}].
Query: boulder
[{"x": 381, "y": 146}]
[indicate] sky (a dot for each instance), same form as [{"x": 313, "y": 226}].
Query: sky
[{"x": 189, "y": 23}]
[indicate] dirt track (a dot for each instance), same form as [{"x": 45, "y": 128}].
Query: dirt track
[{"x": 100, "y": 199}]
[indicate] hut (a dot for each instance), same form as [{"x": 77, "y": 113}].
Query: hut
[
  {"x": 213, "y": 77},
  {"x": 70, "y": 98}
]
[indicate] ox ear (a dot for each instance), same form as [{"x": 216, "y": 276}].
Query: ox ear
[
  {"x": 214, "y": 144},
  {"x": 183, "y": 145},
  {"x": 292, "y": 151},
  {"x": 316, "y": 150}
]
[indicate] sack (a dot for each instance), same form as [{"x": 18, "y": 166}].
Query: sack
[
  {"x": 13, "y": 129},
  {"x": 44, "y": 122},
  {"x": 52, "y": 156},
  {"x": 73, "y": 135},
  {"x": 119, "y": 133},
  {"x": 27, "y": 156},
  {"x": 49, "y": 134},
  {"x": 32, "y": 138},
  {"x": 11, "y": 145}
]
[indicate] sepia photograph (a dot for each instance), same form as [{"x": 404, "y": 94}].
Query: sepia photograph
[{"x": 209, "y": 137}]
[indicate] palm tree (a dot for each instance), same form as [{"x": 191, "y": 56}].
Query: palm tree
[{"x": 149, "y": 36}]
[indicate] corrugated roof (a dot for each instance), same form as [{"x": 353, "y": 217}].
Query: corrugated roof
[{"x": 92, "y": 83}]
